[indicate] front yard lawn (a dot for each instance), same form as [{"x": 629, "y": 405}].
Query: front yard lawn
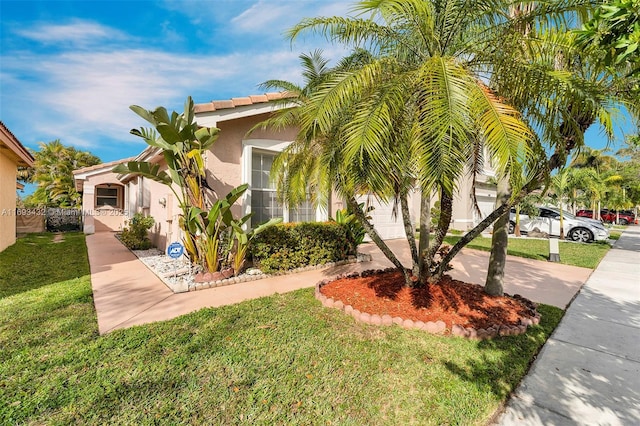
[
  {"x": 37, "y": 260},
  {"x": 576, "y": 254},
  {"x": 282, "y": 359}
]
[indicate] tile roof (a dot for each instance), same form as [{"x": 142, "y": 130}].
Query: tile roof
[
  {"x": 243, "y": 101},
  {"x": 102, "y": 165},
  {"x": 17, "y": 151}
]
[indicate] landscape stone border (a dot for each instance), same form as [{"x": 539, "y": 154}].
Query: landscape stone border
[
  {"x": 437, "y": 327},
  {"x": 186, "y": 287},
  {"x": 246, "y": 277}
]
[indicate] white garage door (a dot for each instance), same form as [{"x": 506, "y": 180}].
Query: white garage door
[
  {"x": 382, "y": 218},
  {"x": 487, "y": 205}
]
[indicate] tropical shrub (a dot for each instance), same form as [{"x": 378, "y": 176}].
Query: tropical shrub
[
  {"x": 240, "y": 240},
  {"x": 135, "y": 236},
  {"x": 294, "y": 245},
  {"x": 183, "y": 144},
  {"x": 347, "y": 218}
]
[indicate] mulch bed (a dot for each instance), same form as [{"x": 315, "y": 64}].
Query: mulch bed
[{"x": 463, "y": 308}]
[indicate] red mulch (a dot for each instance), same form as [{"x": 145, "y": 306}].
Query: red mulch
[{"x": 451, "y": 301}]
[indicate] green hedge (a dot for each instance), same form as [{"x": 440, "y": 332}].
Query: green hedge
[{"x": 295, "y": 245}]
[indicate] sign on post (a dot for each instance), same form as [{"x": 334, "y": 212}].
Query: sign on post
[{"x": 175, "y": 250}]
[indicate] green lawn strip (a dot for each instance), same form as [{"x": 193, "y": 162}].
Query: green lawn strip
[
  {"x": 615, "y": 235},
  {"x": 277, "y": 360},
  {"x": 576, "y": 254},
  {"x": 35, "y": 261}
]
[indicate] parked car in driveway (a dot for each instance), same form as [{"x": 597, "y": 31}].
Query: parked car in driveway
[{"x": 548, "y": 221}]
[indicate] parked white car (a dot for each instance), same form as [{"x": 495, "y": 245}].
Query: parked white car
[{"x": 575, "y": 228}]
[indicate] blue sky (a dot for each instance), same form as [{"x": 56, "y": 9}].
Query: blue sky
[{"x": 70, "y": 69}]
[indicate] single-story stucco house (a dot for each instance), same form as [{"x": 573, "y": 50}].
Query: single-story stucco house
[
  {"x": 234, "y": 159},
  {"x": 12, "y": 155}
]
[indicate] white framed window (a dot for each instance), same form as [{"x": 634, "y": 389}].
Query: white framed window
[
  {"x": 264, "y": 204},
  {"x": 108, "y": 195},
  {"x": 261, "y": 198},
  {"x": 303, "y": 213}
]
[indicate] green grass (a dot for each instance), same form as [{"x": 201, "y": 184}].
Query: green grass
[
  {"x": 282, "y": 359},
  {"x": 35, "y": 260},
  {"x": 576, "y": 254},
  {"x": 615, "y": 235}
]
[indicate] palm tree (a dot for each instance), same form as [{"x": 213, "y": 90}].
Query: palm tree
[
  {"x": 52, "y": 171},
  {"x": 591, "y": 185},
  {"x": 561, "y": 91},
  {"x": 416, "y": 114},
  {"x": 587, "y": 157}
]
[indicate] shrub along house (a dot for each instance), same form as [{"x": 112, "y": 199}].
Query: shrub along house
[
  {"x": 234, "y": 159},
  {"x": 12, "y": 155}
]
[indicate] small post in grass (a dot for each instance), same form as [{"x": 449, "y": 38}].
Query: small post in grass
[{"x": 554, "y": 250}]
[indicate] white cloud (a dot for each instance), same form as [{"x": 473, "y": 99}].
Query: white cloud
[
  {"x": 76, "y": 33},
  {"x": 83, "y": 98},
  {"x": 336, "y": 8},
  {"x": 81, "y": 92},
  {"x": 262, "y": 16}
]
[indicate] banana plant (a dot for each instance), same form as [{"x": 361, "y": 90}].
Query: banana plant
[
  {"x": 217, "y": 220},
  {"x": 183, "y": 144},
  {"x": 242, "y": 239},
  {"x": 353, "y": 226}
]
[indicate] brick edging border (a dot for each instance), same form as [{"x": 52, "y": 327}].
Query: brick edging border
[{"x": 437, "y": 327}]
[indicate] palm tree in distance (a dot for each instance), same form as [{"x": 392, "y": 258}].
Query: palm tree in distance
[{"x": 52, "y": 171}]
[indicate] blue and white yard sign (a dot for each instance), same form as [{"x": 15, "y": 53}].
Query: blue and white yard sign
[{"x": 175, "y": 250}]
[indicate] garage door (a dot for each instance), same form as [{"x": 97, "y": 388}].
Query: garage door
[
  {"x": 382, "y": 218},
  {"x": 487, "y": 205}
]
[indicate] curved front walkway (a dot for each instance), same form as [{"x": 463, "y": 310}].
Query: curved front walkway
[
  {"x": 126, "y": 293},
  {"x": 588, "y": 372}
]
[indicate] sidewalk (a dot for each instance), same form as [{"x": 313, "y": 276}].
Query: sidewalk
[
  {"x": 588, "y": 372},
  {"x": 126, "y": 293}
]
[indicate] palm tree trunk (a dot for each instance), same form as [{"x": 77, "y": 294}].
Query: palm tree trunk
[
  {"x": 375, "y": 237},
  {"x": 423, "y": 237},
  {"x": 494, "y": 284},
  {"x": 469, "y": 236},
  {"x": 409, "y": 230},
  {"x": 446, "y": 210}
]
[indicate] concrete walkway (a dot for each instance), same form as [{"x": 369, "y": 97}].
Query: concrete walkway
[
  {"x": 126, "y": 293},
  {"x": 588, "y": 372}
]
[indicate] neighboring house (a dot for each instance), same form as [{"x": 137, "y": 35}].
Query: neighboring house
[
  {"x": 234, "y": 159},
  {"x": 103, "y": 197},
  {"x": 12, "y": 155}
]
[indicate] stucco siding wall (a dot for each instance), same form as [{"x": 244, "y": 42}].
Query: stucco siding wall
[
  {"x": 464, "y": 216},
  {"x": 8, "y": 175},
  {"x": 160, "y": 203},
  {"x": 225, "y": 164}
]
